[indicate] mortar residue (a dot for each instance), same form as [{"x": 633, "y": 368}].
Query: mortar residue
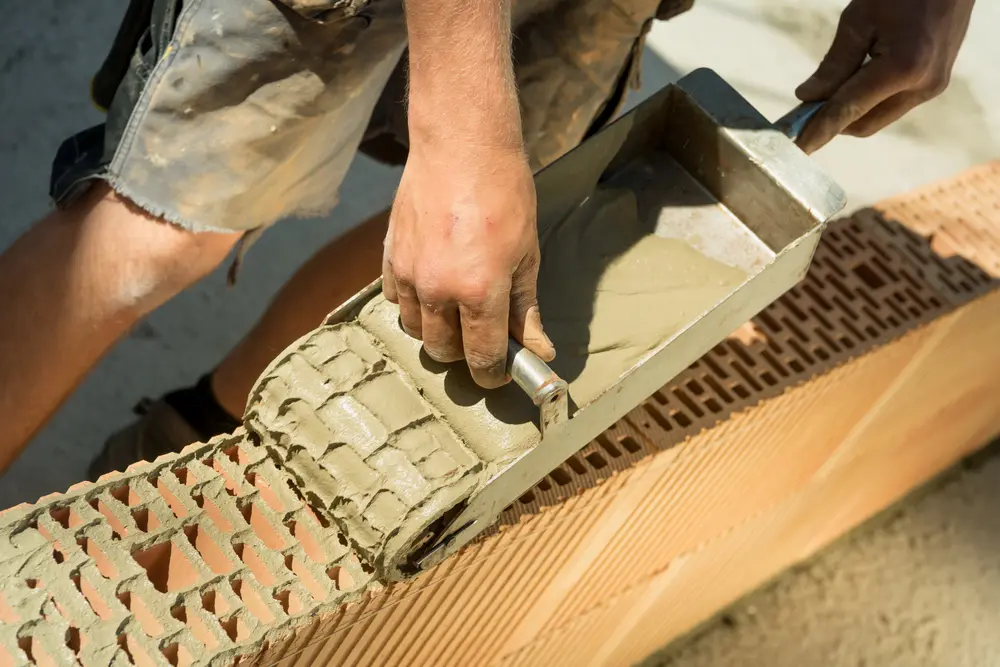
[{"x": 610, "y": 291}]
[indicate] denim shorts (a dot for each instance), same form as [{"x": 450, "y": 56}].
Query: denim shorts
[{"x": 229, "y": 115}]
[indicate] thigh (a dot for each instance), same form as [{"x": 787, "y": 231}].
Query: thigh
[{"x": 232, "y": 114}]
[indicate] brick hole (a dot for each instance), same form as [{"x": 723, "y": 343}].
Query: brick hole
[
  {"x": 177, "y": 655},
  {"x": 695, "y": 387},
  {"x": 176, "y": 506},
  {"x": 232, "y": 488},
  {"x": 688, "y": 403},
  {"x": 715, "y": 367},
  {"x": 742, "y": 352},
  {"x": 871, "y": 331},
  {"x": 73, "y": 639},
  {"x": 749, "y": 379},
  {"x": 718, "y": 389},
  {"x": 267, "y": 533},
  {"x": 821, "y": 354},
  {"x": 527, "y": 498},
  {"x": 136, "y": 654},
  {"x": 606, "y": 445},
  {"x": 342, "y": 579},
  {"x": 297, "y": 567},
  {"x": 36, "y": 652},
  {"x": 290, "y": 602},
  {"x": 682, "y": 419},
  {"x": 252, "y": 560},
  {"x": 854, "y": 331},
  {"x": 828, "y": 340},
  {"x": 117, "y": 528},
  {"x": 184, "y": 476},
  {"x": 868, "y": 276},
  {"x": 167, "y": 568},
  {"x": 207, "y": 548},
  {"x": 310, "y": 544},
  {"x": 867, "y": 298},
  {"x": 713, "y": 405},
  {"x": 66, "y": 517},
  {"x": 104, "y": 564},
  {"x": 93, "y": 598},
  {"x": 596, "y": 460},
  {"x": 660, "y": 420},
  {"x": 796, "y": 366},
  {"x": 238, "y": 455},
  {"x": 214, "y": 603},
  {"x": 147, "y": 620},
  {"x": 214, "y": 513},
  {"x": 630, "y": 445},
  {"x": 266, "y": 492},
  {"x": 741, "y": 391},
  {"x": 145, "y": 520},
  {"x": 768, "y": 379},
  {"x": 575, "y": 465},
  {"x": 321, "y": 520},
  {"x": 560, "y": 477},
  {"x": 125, "y": 495},
  {"x": 196, "y": 626},
  {"x": 796, "y": 330},
  {"x": 251, "y": 598},
  {"x": 802, "y": 352},
  {"x": 753, "y": 333},
  {"x": 774, "y": 363},
  {"x": 236, "y": 628},
  {"x": 543, "y": 485},
  {"x": 659, "y": 397}
]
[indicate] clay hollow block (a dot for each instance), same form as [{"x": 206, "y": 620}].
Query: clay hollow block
[{"x": 876, "y": 372}]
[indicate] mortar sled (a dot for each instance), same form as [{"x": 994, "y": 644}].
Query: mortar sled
[{"x": 660, "y": 235}]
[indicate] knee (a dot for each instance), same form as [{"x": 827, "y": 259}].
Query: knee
[{"x": 147, "y": 259}]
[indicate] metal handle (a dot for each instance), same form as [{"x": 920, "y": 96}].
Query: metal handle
[
  {"x": 546, "y": 389},
  {"x": 793, "y": 122}
]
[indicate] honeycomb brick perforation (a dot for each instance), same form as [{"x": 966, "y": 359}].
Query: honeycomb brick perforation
[
  {"x": 221, "y": 550},
  {"x": 872, "y": 279}
]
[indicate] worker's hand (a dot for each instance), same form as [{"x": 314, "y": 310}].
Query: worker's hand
[
  {"x": 461, "y": 254},
  {"x": 913, "y": 45}
]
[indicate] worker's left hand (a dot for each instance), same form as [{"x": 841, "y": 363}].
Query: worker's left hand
[{"x": 913, "y": 45}]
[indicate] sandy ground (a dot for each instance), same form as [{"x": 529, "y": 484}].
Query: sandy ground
[
  {"x": 50, "y": 48},
  {"x": 920, "y": 585}
]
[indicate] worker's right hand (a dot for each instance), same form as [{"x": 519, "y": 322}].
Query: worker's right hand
[{"x": 461, "y": 254}]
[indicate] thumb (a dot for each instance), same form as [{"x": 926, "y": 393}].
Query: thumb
[
  {"x": 846, "y": 55},
  {"x": 525, "y": 318}
]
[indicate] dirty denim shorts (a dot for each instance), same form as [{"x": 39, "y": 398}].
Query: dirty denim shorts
[{"x": 229, "y": 115}]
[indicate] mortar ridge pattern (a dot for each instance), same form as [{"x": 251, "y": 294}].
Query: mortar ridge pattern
[{"x": 235, "y": 545}]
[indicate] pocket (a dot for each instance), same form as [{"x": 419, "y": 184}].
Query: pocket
[
  {"x": 142, "y": 38},
  {"x": 134, "y": 26}
]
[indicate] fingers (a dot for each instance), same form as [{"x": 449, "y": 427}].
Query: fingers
[
  {"x": 846, "y": 55},
  {"x": 388, "y": 281},
  {"x": 409, "y": 308},
  {"x": 873, "y": 83},
  {"x": 525, "y": 319},
  {"x": 885, "y": 113},
  {"x": 484, "y": 336},
  {"x": 442, "y": 332}
]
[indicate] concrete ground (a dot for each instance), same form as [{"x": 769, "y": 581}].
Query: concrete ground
[{"x": 49, "y": 49}]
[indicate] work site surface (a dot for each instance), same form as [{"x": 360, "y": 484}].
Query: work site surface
[{"x": 875, "y": 373}]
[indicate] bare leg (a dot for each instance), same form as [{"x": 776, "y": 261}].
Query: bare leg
[
  {"x": 329, "y": 278},
  {"x": 71, "y": 286}
]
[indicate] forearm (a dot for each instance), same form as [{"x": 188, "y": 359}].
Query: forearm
[{"x": 461, "y": 81}]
